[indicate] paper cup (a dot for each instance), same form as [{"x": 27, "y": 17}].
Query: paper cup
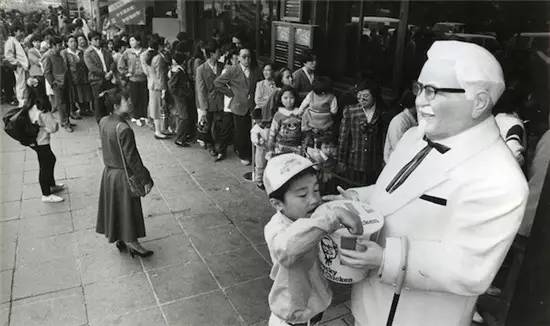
[{"x": 330, "y": 245}]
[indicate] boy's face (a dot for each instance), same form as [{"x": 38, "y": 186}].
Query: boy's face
[{"x": 301, "y": 198}]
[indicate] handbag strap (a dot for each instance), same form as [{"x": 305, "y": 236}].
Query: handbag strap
[{"x": 121, "y": 153}]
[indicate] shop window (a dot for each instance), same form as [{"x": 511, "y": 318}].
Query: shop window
[{"x": 240, "y": 16}]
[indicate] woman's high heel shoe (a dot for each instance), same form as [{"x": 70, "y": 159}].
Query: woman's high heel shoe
[
  {"x": 121, "y": 246},
  {"x": 133, "y": 252}
]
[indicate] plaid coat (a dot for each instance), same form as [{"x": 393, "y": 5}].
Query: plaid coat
[{"x": 361, "y": 144}]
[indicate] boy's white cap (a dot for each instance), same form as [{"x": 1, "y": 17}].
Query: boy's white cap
[{"x": 282, "y": 168}]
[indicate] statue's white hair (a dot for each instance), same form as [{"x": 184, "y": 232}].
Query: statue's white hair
[{"x": 476, "y": 68}]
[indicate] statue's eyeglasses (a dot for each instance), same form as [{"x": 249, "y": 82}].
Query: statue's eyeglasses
[{"x": 431, "y": 91}]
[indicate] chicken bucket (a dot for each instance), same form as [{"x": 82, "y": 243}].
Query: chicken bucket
[{"x": 330, "y": 244}]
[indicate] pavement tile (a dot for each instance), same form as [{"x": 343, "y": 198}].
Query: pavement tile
[
  {"x": 64, "y": 308},
  {"x": 107, "y": 265},
  {"x": 85, "y": 186},
  {"x": 13, "y": 194},
  {"x": 7, "y": 253},
  {"x": 81, "y": 202},
  {"x": 248, "y": 209},
  {"x": 174, "y": 184},
  {"x": 90, "y": 242},
  {"x": 253, "y": 229},
  {"x": 208, "y": 309},
  {"x": 10, "y": 210},
  {"x": 161, "y": 226},
  {"x": 32, "y": 190},
  {"x": 31, "y": 176},
  {"x": 9, "y": 230},
  {"x": 84, "y": 218},
  {"x": 253, "y": 306},
  {"x": 180, "y": 281},
  {"x": 117, "y": 296},
  {"x": 173, "y": 250},
  {"x": 4, "y": 314},
  {"x": 154, "y": 204},
  {"x": 53, "y": 275},
  {"x": 147, "y": 317},
  {"x": 5, "y": 285},
  {"x": 82, "y": 170},
  {"x": 217, "y": 240},
  {"x": 90, "y": 158},
  {"x": 190, "y": 203},
  {"x": 39, "y": 250},
  {"x": 35, "y": 207},
  {"x": 237, "y": 266},
  {"x": 222, "y": 192},
  {"x": 202, "y": 221},
  {"x": 264, "y": 250},
  {"x": 45, "y": 226}
]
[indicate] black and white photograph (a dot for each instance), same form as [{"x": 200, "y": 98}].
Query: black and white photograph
[{"x": 275, "y": 163}]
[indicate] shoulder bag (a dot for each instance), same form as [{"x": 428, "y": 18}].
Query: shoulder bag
[{"x": 137, "y": 185}]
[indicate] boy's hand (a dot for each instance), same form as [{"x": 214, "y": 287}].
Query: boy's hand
[
  {"x": 368, "y": 255},
  {"x": 350, "y": 220},
  {"x": 344, "y": 194}
]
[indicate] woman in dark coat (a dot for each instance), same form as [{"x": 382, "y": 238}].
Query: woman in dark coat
[
  {"x": 120, "y": 217},
  {"x": 362, "y": 135}
]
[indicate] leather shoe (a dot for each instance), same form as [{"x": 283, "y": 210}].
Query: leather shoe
[{"x": 181, "y": 143}]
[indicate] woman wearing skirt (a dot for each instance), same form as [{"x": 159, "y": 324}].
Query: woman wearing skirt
[{"x": 120, "y": 217}]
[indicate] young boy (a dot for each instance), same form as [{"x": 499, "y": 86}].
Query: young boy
[{"x": 300, "y": 294}]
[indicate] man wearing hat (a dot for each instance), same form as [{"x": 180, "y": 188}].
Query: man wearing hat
[{"x": 452, "y": 196}]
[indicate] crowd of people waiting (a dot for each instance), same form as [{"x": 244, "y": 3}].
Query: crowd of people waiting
[{"x": 212, "y": 91}]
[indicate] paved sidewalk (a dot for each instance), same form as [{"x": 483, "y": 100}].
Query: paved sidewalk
[{"x": 204, "y": 222}]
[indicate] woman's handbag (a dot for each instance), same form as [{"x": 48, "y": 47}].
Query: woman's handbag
[{"x": 137, "y": 185}]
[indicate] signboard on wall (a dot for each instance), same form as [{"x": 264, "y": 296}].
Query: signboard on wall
[{"x": 127, "y": 12}]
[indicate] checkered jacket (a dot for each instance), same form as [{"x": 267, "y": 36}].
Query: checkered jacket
[{"x": 361, "y": 144}]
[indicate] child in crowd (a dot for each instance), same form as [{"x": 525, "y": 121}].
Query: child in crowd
[
  {"x": 319, "y": 107},
  {"x": 285, "y": 134},
  {"x": 300, "y": 294},
  {"x": 259, "y": 133}
]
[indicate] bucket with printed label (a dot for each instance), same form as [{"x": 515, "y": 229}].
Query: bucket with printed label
[{"x": 331, "y": 244}]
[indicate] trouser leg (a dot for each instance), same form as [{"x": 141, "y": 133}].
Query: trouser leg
[
  {"x": 20, "y": 85},
  {"x": 222, "y": 131},
  {"x": 259, "y": 163},
  {"x": 241, "y": 132},
  {"x": 46, "y": 161}
]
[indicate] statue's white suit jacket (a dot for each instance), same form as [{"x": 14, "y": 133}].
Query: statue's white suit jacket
[{"x": 459, "y": 211}]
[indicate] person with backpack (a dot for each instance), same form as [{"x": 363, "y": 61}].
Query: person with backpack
[{"x": 39, "y": 112}]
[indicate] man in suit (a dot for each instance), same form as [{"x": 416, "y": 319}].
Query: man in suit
[
  {"x": 452, "y": 196},
  {"x": 239, "y": 83},
  {"x": 303, "y": 77},
  {"x": 210, "y": 102},
  {"x": 100, "y": 71}
]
